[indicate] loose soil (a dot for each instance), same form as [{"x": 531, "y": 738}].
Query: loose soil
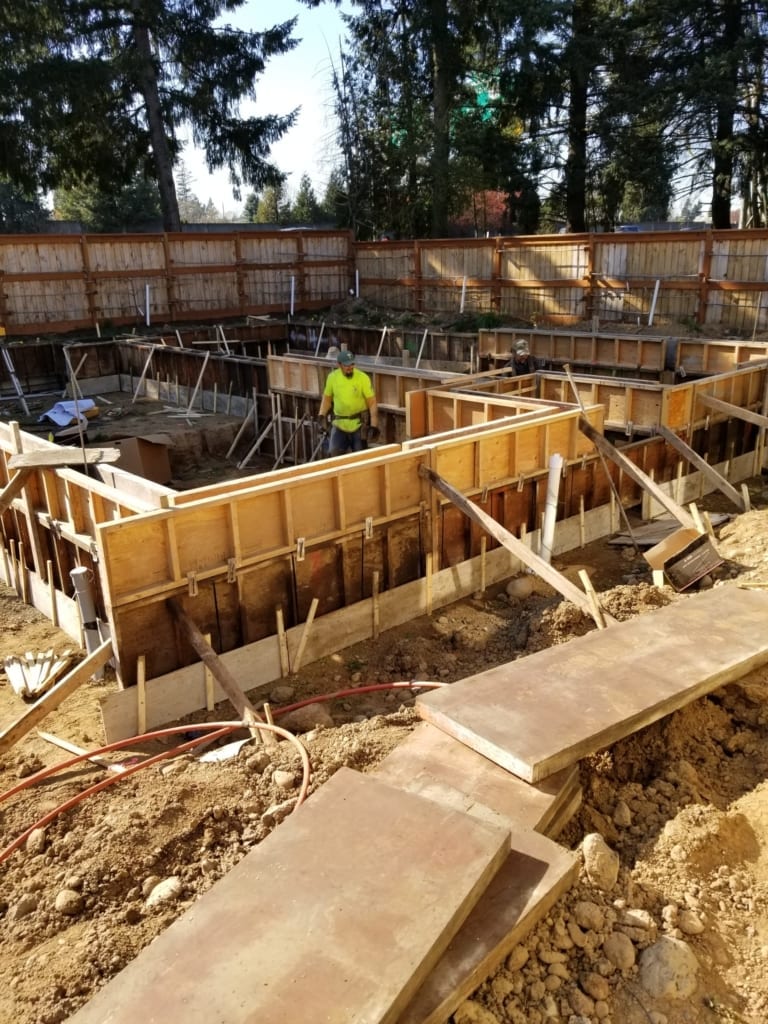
[{"x": 683, "y": 804}]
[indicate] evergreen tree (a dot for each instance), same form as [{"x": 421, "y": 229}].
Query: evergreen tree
[
  {"x": 99, "y": 92},
  {"x": 274, "y": 207},
  {"x": 305, "y": 209},
  {"x": 251, "y": 207},
  {"x": 129, "y": 208},
  {"x": 20, "y": 213}
]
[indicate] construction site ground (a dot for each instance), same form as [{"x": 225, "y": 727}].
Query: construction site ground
[{"x": 683, "y": 803}]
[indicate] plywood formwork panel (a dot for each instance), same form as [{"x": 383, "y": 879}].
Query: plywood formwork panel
[
  {"x": 717, "y": 356},
  {"x": 203, "y": 541},
  {"x": 266, "y": 587}
]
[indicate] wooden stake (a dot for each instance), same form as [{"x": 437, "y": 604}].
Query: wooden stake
[
  {"x": 305, "y": 635},
  {"x": 745, "y": 496},
  {"x": 375, "y": 611},
  {"x": 208, "y": 679},
  {"x": 694, "y": 510},
  {"x": 428, "y": 581},
  {"x": 141, "y": 695},
  {"x": 52, "y": 593},
  {"x": 597, "y": 611},
  {"x": 483, "y": 560},
  {"x": 282, "y": 643},
  {"x": 23, "y": 574},
  {"x": 582, "y": 522},
  {"x": 708, "y": 524}
]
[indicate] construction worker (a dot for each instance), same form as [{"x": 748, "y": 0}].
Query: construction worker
[
  {"x": 522, "y": 361},
  {"x": 348, "y": 393}
]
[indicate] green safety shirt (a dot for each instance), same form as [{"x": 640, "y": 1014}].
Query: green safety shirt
[{"x": 350, "y": 395}]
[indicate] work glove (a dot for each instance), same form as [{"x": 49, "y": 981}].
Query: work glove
[{"x": 374, "y": 433}]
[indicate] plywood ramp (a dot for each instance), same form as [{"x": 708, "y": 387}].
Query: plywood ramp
[
  {"x": 541, "y": 713},
  {"x": 434, "y": 765},
  {"x": 338, "y": 916}
]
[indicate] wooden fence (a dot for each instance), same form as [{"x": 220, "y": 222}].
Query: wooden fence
[{"x": 51, "y": 283}]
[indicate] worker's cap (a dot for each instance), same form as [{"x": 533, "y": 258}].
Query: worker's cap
[
  {"x": 521, "y": 347},
  {"x": 345, "y": 358}
]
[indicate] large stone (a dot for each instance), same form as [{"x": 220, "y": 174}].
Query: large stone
[
  {"x": 668, "y": 969},
  {"x": 600, "y": 861}
]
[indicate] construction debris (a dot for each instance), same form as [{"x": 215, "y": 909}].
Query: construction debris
[{"x": 33, "y": 674}]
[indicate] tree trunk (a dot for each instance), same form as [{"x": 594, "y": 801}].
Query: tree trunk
[
  {"x": 147, "y": 77},
  {"x": 723, "y": 148},
  {"x": 441, "y": 80},
  {"x": 576, "y": 161}
]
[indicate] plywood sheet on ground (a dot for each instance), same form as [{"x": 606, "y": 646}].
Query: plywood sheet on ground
[
  {"x": 534, "y": 876},
  {"x": 435, "y": 765},
  {"x": 338, "y": 916},
  {"x": 536, "y": 715}
]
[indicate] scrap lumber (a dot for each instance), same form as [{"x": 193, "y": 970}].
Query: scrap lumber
[
  {"x": 508, "y": 540},
  {"x": 604, "y": 446},
  {"x": 433, "y": 764},
  {"x": 73, "y": 748},
  {"x": 32, "y": 674},
  {"x": 51, "y": 700},
  {"x": 535, "y": 875},
  {"x": 350, "y": 904},
  {"x": 544, "y": 712},
  {"x": 51, "y": 458},
  {"x": 701, "y": 464}
]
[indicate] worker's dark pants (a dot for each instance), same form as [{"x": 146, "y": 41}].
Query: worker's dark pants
[{"x": 346, "y": 441}]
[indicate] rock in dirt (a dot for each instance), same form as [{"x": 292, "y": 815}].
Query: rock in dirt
[
  {"x": 306, "y": 718},
  {"x": 163, "y": 892},
  {"x": 619, "y": 950},
  {"x": 69, "y": 902},
  {"x": 668, "y": 969},
  {"x": 600, "y": 861}
]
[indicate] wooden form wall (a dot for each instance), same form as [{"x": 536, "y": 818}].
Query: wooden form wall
[
  {"x": 67, "y": 282},
  {"x": 51, "y": 528},
  {"x": 232, "y": 556},
  {"x": 710, "y": 277}
]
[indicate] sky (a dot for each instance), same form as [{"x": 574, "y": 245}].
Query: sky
[{"x": 301, "y": 78}]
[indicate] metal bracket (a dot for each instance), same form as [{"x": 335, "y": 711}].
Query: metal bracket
[
  {"x": 231, "y": 571},
  {"x": 521, "y": 482},
  {"x": 300, "y": 549},
  {"x": 484, "y": 495},
  {"x": 192, "y": 584},
  {"x": 369, "y": 527}
]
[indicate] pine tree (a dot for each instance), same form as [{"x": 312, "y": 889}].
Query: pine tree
[{"x": 100, "y": 92}]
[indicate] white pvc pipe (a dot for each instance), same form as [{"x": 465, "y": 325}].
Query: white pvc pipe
[
  {"x": 146, "y": 304},
  {"x": 87, "y": 609},
  {"x": 357, "y": 284},
  {"x": 653, "y": 302},
  {"x": 463, "y": 295},
  {"x": 550, "y": 509},
  {"x": 293, "y": 292}
]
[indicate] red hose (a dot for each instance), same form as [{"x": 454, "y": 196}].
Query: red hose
[
  {"x": 112, "y": 779},
  {"x": 214, "y": 731}
]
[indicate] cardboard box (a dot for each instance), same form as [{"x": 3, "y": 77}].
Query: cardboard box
[{"x": 146, "y": 456}]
